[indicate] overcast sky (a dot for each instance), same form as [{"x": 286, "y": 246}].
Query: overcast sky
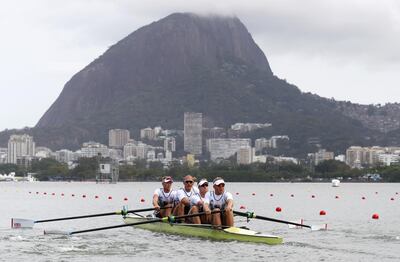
[{"x": 345, "y": 49}]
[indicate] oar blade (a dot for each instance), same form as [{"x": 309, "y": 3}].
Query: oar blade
[
  {"x": 299, "y": 221},
  {"x": 322, "y": 227},
  {"x": 22, "y": 223},
  {"x": 56, "y": 232}
]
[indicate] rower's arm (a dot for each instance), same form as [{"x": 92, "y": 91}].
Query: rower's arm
[
  {"x": 185, "y": 201},
  {"x": 229, "y": 205},
  {"x": 155, "y": 202}
]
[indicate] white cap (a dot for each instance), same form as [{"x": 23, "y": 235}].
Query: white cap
[
  {"x": 218, "y": 181},
  {"x": 167, "y": 179},
  {"x": 202, "y": 182}
]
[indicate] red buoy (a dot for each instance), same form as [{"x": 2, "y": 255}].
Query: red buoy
[
  {"x": 142, "y": 199},
  {"x": 30, "y": 192},
  {"x": 96, "y": 196},
  {"x": 253, "y": 194},
  {"x": 44, "y": 193},
  {"x": 313, "y": 196},
  {"x": 125, "y": 199},
  {"x": 110, "y": 197},
  {"x": 271, "y": 195},
  {"x": 62, "y": 194},
  {"x": 322, "y": 213},
  {"x": 376, "y": 193},
  {"x": 291, "y": 195},
  {"x": 53, "y": 194},
  {"x": 392, "y": 198},
  {"x": 278, "y": 209},
  {"x": 363, "y": 198},
  {"x": 83, "y": 196},
  {"x": 237, "y": 193},
  {"x": 73, "y": 195},
  {"x": 375, "y": 216},
  {"x": 242, "y": 207},
  {"x": 336, "y": 197}
]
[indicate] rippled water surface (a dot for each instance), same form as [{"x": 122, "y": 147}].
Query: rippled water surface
[{"x": 352, "y": 234}]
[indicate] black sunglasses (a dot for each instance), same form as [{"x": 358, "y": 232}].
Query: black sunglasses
[
  {"x": 188, "y": 182},
  {"x": 221, "y": 185},
  {"x": 204, "y": 185}
]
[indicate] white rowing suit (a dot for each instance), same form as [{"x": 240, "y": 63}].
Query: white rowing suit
[
  {"x": 217, "y": 201},
  {"x": 165, "y": 198},
  {"x": 192, "y": 195}
]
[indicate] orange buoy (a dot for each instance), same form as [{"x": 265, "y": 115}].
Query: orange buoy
[
  {"x": 278, "y": 209},
  {"x": 375, "y": 216},
  {"x": 322, "y": 213}
]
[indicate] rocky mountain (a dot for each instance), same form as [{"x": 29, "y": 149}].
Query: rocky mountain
[{"x": 187, "y": 62}]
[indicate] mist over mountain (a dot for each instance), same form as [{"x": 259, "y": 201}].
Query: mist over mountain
[{"x": 187, "y": 62}]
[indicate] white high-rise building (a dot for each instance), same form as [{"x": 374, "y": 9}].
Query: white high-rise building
[
  {"x": 117, "y": 138},
  {"x": 92, "y": 149},
  {"x": 224, "y": 148},
  {"x": 193, "y": 133},
  {"x": 170, "y": 144},
  {"x": 20, "y": 146},
  {"x": 245, "y": 155}
]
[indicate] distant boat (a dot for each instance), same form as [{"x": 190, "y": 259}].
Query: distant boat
[{"x": 335, "y": 182}]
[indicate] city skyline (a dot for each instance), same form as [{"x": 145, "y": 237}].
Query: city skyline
[{"x": 343, "y": 50}]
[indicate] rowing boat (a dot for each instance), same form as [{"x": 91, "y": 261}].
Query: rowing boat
[{"x": 204, "y": 231}]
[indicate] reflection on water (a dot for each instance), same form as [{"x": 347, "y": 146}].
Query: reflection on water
[{"x": 352, "y": 234}]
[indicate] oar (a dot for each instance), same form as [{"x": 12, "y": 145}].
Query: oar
[
  {"x": 28, "y": 223},
  {"x": 252, "y": 215},
  {"x": 169, "y": 219}
]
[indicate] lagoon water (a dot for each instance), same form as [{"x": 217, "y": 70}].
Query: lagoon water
[{"x": 352, "y": 234}]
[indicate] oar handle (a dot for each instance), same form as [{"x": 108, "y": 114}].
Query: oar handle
[
  {"x": 253, "y": 215},
  {"x": 169, "y": 219},
  {"x": 121, "y": 212}
]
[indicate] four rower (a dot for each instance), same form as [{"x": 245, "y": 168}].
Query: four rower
[{"x": 191, "y": 200}]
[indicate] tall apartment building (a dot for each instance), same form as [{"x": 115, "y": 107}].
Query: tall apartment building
[
  {"x": 117, "y": 138},
  {"x": 226, "y": 147},
  {"x": 170, "y": 144},
  {"x": 148, "y": 133},
  {"x": 193, "y": 133},
  {"x": 93, "y": 149},
  {"x": 245, "y": 155},
  {"x": 20, "y": 146}
]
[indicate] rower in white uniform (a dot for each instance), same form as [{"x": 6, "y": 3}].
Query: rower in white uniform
[
  {"x": 219, "y": 200},
  {"x": 163, "y": 198},
  {"x": 186, "y": 198}
]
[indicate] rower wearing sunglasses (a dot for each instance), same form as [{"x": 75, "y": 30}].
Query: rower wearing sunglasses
[
  {"x": 219, "y": 199},
  {"x": 198, "y": 203},
  {"x": 185, "y": 197}
]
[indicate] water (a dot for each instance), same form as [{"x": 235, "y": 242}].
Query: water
[{"x": 352, "y": 234}]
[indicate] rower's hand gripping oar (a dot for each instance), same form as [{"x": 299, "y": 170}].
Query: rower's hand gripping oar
[
  {"x": 28, "y": 223},
  {"x": 169, "y": 219},
  {"x": 252, "y": 215}
]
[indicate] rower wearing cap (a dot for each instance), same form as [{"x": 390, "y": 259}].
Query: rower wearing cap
[
  {"x": 198, "y": 203},
  {"x": 221, "y": 200},
  {"x": 186, "y": 197},
  {"x": 163, "y": 198}
]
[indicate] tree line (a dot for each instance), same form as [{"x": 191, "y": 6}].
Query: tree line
[{"x": 86, "y": 169}]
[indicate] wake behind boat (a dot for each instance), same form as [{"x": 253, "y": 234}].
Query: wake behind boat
[{"x": 204, "y": 231}]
